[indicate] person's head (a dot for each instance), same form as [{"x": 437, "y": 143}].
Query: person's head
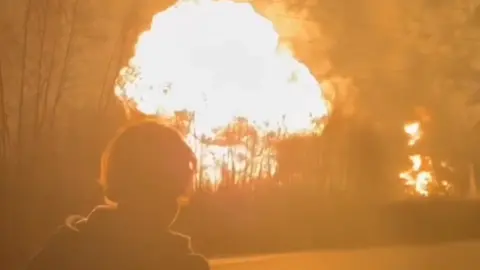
[{"x": 147, "y": 167}]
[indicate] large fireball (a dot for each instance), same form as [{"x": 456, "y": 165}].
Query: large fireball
[{"x": 218, "y": 69}]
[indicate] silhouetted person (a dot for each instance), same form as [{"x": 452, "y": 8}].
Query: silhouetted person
[{"x": 145, "y": 171}]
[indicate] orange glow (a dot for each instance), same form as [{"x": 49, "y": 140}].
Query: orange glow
[{"x": 217, "y": 69}]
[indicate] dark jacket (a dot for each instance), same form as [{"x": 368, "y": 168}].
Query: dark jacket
[{"x": 102, "y": 242}]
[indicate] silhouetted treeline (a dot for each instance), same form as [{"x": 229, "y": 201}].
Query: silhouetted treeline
[{"x": 241, "y": 221}]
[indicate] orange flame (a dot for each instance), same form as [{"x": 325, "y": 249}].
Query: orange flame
[
  {"x": 417, "y": 177},
  {"x": 218, "y": 69},
  {"x": 420, "y": 178},
  {"x": 414, "y": 132}
]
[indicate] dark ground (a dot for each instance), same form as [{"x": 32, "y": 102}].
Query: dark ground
[{"x": 230, "y": 224}]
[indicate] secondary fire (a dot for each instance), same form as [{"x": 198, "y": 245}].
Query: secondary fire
[
  {"x": 217, "y": 71},
  {"x": 420, "y": 178}
]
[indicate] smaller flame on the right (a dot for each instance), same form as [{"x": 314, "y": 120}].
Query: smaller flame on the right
[{"x": 420, "y": 178}]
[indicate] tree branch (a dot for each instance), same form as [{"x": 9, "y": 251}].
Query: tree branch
[
  {"x": 22, "y": 86},
  {"x": 104, "y": 99},
  {"x": 4, "y": 128},
  {"x": 39, "y": 93},
  {"x": 60, "y": 90}
]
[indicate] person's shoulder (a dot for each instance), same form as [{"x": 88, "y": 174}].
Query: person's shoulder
[
  {"x": 189, "y": 259},
  {"x": 60, "y": 246},
  {"x": 66, "y": 233},
  {"x": 197, "y": 262}
]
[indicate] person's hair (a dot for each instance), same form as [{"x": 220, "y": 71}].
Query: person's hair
[{"x": 146, "y": 160}]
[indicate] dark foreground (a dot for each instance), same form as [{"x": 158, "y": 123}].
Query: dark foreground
[
  {"x": 231, "y": 224},
  {"x": 464, "y": 256}
]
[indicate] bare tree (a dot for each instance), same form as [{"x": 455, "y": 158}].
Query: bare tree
[{"x": 4, "y": 128}]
